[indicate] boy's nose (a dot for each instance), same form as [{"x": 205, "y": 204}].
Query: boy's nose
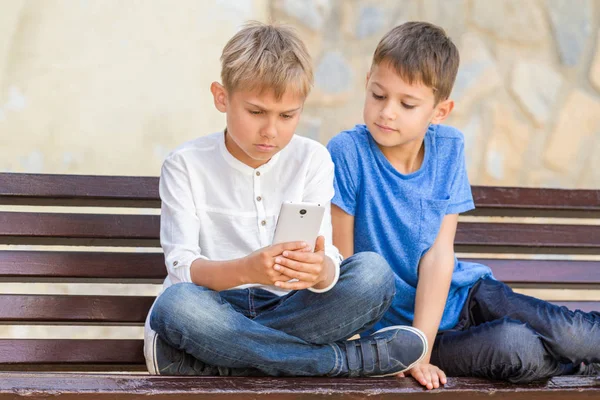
[
  {"x": 269, "y": 131},
  {"x": 388, "y": 113}
]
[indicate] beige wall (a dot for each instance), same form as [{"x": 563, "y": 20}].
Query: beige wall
[{"x": 110, "y": 86}]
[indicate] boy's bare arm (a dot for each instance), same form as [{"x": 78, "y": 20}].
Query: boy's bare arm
[
  {"x": 343, "y": 231},
  {"x": 217, "y": 275},
  {"x": 257, "y": 267},
  {"x": 435, "y": 275}
]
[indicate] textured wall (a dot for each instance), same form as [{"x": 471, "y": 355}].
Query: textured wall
[{"x": 109, "y": 86}]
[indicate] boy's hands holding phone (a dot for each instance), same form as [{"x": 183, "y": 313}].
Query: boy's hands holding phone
[
  {"x": 259, "y": 266},
  {"x": 309, "y": 268},
  {"x": 280, "y": 263}
]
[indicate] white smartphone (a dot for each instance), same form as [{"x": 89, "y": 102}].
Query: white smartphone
[{"x": 299, "y": 222}]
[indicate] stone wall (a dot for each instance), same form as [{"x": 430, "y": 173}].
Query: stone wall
[
  {"x": 109, "y": 87},
  {"x": 528, "y": 91}
]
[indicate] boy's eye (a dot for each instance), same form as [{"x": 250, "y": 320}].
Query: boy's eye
[
  {"x": 377, "y": 97},
  {"x": 286, "y": 116},
  {"x": 407, "y": 106},
  {"x": 255, "y": 112}
]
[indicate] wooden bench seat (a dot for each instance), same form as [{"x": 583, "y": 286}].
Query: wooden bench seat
[{"x": 45, "y": 219}]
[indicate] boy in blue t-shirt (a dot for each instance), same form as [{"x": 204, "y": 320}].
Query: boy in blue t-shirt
[{"x": 400, "y": 184}]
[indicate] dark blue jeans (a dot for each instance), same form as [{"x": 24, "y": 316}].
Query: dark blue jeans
[
  {"x": 509, "y": 336},
  {"x": 292, "y": 335}
]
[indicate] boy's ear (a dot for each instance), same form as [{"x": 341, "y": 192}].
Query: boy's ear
[
  {"x": 220, "y": 96},
  {"x": 442, "y": 110},
  {"x": 367, "y": 80}
]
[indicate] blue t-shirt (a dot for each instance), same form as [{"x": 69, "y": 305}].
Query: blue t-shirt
[{"x": 399, "y": 216}]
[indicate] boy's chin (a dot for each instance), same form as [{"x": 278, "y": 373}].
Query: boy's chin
[
  {"x": 260, "y": 156},
  {"x": 386, "y": 140}
]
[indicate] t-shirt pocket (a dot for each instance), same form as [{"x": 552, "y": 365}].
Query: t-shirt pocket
[{"x": 432, "y": 214}]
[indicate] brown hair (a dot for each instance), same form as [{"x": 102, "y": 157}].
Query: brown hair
[
  {"x": 267, "y": 57},
  {"x": 421, "y": 52}
]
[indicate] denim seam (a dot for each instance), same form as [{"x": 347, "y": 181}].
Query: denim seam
[
  {"x": 251, "y": 308},
  {"x": 209, "y": 350}
]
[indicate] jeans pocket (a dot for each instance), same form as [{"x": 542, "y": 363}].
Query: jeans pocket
[{"x": 432, "y": 214}]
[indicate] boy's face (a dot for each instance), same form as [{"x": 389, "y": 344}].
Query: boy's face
[
  {"x": 258, "y": 125},
  {"x": 398, "y": 113}
]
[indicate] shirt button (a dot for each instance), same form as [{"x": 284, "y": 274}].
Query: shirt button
[
  {"x": 258, "y": 198},
  {"x": 257, "y": 173},
  {"x": 175, "y": 263},
  {"x": 263, "y": 222}
]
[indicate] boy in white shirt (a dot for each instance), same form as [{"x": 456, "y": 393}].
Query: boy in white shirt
[{"x": 233, "y": 304}]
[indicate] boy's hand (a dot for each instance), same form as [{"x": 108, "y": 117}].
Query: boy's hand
[
  {"x": 427, "y": 375},
  {"x": 259, "y": 265},
  {"x": 309, "y": 268}
]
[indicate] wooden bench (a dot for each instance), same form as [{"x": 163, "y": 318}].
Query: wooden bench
[{"x": 111, "y": 368}]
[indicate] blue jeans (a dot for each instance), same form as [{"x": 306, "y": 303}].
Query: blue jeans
[
  {"x": 291, "y": 335},
  {"x": 509, "y": 336}
]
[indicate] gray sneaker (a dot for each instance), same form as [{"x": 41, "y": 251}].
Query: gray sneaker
[
  {"x": 172, "y": 361},
  {"x": 386, "y": 352}
]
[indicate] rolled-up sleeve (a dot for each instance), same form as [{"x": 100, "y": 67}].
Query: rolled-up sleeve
[
  {"x": 319, "y": 189},
  {"x": 179, "y": 224}
]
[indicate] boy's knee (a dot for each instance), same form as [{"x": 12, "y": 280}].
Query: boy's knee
[
  {"x": 182, "y": 303},
  {"x": 371, "y": 273},
  {"x": 518, "y": 354},
  {"x": 576, "y": 337}
]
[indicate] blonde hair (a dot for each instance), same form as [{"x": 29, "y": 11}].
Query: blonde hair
[
  {"x": 421, "y": 52},
  {"x": 266, "y": 57}
]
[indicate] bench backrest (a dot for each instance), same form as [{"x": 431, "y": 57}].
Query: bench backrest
[{"x": 30, "y": 235}]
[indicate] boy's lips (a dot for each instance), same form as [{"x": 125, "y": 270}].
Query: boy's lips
[
  {"x": 385, "y": 128},
  {"x": 264, "y": 147}
]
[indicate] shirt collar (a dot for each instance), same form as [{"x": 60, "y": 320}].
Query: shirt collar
[{"x": 240, "y": 166}]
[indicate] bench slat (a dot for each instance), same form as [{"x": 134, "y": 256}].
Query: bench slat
[
  {"x": 27, "y": 265},
  {"x": 71, "y": 351},
  {"x": 149, "y": 268},
  {"x": 111, "y": 386},
  {"x": 17, "y": 308},
  {"x": 527, "y": 238},
  {"x": 143, "y": 230},
  {"x": 78, "y": 190},
  {"x": 536, "y": 202},
  {"x": 126, "y": 191},
  {"x": 81, "y": 229},
  {"x": 543, "y": 271}
]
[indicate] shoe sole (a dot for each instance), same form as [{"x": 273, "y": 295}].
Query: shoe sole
[
  {"x": 419, "y": 333},
  {"x": 154, "y": 359}
]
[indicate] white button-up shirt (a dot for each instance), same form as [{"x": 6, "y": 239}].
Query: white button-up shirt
[{"x": 217, "y": 208}]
